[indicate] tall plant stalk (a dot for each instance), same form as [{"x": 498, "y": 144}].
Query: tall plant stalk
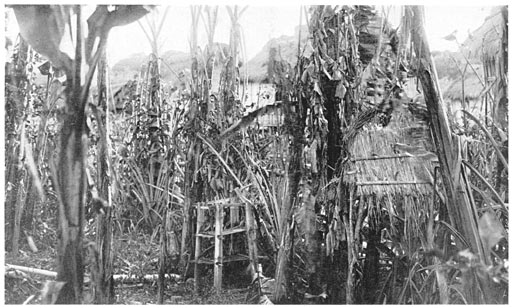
[
  {"x": 104, "y": 286},
  {"x": 193, "y": 181},
  {"x": 68, "y": 172},
  {"x": 460, "y": 208}
]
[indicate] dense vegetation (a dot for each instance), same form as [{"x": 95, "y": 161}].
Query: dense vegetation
[{"x": 349, "y": 189}]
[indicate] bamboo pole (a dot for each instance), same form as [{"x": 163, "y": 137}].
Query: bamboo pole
[
  {"x": 119, "y": 277},
  {"x": 30, "y": 270}
]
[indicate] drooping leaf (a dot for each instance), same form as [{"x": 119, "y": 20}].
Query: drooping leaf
[{"x": 43, "y": 27}]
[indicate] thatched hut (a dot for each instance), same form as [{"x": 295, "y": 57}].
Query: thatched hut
[
  {"x": 489, "y": 43},
  {"x": 485, "y": 41},
  {"x": 391, "y": 176},
  {"x": 471, "y": 91},
  {"x": 473, "y": 88}
]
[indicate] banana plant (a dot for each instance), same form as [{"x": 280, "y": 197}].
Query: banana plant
[{"x": 43, "y": 26}]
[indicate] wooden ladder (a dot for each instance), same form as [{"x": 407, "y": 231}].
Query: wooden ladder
[{"x": 219, "y": 233}]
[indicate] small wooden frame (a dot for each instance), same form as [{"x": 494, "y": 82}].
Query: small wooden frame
[{"x": 219, "y": 234}]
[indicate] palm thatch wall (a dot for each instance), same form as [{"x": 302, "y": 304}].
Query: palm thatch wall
[
  {"x": 489, "y": 43},
  {"x": 379, "y": 169},
  {"x": 394, "y": 186}
]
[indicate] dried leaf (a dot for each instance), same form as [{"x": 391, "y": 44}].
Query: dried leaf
[
  {"x": 467, "y": 254},
  {"x": 490, "y": 230},
  {"x": 306, "y": 216},
  {"x": 50, "y": 291},
  {"x": 308, "y": 50},
  {"x": 337, "y": 75},
  {"x": 312, "y": 153},
  {"x": 32, "y": 244},
  {"x": 326, "y": 73},
  {"x": 317, "y": 88},
  {"x": 340, "y": 90},
  {"x": 304, "y": 78},
  {"x": 31, "y": 168}
]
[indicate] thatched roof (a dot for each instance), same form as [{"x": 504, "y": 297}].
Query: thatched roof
[
  {"x": 485, "y": 42},
  {"x": 472, "y": 88},
  {"x": 380, "y": 170}
]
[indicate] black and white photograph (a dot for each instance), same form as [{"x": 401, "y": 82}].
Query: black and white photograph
[{"x": 255, "y": 153}]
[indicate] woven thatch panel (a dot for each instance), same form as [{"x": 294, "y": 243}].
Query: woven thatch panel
[{"x": 378, "y": 169}]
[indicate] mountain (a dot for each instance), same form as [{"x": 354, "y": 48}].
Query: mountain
[
  {"x": 286, "y": 46},
  {"x": 173, "y": 62}
]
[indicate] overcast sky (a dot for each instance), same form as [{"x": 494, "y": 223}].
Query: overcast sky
[{"x": 260, "y": 23}]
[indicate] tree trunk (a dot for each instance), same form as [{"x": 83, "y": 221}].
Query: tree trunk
[{"x": 332, "y": 106}]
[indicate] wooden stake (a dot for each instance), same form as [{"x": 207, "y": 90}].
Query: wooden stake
[
  {"x": 217, "y": 267},
  {"x": 200, "y": 221},
  {"x": 251, "y": 237}
]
